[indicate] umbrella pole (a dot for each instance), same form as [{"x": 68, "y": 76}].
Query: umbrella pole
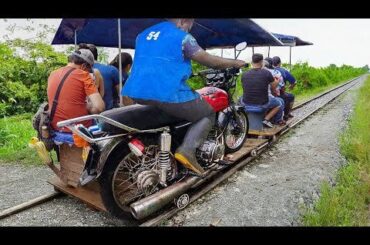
[
  {"x": 120, "y": 62},
  {"x": 222, "y": 52},
  {"x": 268, "y": 54},
  {"x": 252, "y": 50},
  {"x": 290, "y": 58},
  {"x": 75, "y": 40}
]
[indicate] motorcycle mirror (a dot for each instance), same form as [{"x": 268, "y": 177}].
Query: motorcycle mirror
[{"x": 241, "y": 46}]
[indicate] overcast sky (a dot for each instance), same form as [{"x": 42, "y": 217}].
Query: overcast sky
[{"x": 336, "y": 41}]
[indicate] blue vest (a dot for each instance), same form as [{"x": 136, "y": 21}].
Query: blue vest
[{"x": 160, "y": 71}]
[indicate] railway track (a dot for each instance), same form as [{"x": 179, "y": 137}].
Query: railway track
[{"x": 301, "y": 111}]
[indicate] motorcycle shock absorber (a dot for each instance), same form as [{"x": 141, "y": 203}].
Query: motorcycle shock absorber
[{"x": 164, "y": 156}]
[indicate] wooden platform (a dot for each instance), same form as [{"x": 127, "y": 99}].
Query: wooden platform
[
  {"x": 249, "y": 145},
  {"x": 89, "y": 194},
  {"x": 269, "y": 132}
]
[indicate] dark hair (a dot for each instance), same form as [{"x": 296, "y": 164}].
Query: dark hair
[
  {"x": 276, "y": 60},
  {"x": 90, "y": 47},
  {"x": 126, "y": 59},
  {"x": 257, "y": 58},
  {"x": 269, "y": 62}
]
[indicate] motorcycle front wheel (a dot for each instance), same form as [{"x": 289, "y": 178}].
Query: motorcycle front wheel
[{"x": 236, "y": 131}]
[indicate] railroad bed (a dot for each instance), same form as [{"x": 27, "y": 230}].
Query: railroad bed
[{"x": 252, "y": 149}]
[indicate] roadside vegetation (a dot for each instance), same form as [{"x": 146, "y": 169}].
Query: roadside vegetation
[
  {"x": 347, "y": 202},
  {"x": 26, "y": 65}
]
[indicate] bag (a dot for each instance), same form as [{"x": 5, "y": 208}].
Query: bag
[{"x": 41, "y": 121}]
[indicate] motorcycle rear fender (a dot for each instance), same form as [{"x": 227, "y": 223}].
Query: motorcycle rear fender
[{"x": 106, "y": 151}]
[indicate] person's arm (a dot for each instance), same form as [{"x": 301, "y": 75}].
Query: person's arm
[
  {"x": 193, "y": 51},
  {"x": 118, "y": 92},
  {"x": 291, "y": 79},
  {"x": 275, "y": 91},
  {"x": 274, "y": 82},
  {"x": 216, "y": 62},
  {"x": 95, "y": 103},
  {"x": 99, "y": 82}
]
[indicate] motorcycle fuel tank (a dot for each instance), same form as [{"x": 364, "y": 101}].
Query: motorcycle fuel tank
[{"x": 216, "y": 97}]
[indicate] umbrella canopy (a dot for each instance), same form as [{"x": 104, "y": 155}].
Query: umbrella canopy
[
  {"x": 291, "y": 40},
  {"x": 210, "y": 33}
]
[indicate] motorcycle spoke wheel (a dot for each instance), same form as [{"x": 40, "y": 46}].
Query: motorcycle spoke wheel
[{"x": 236, "y": 131}]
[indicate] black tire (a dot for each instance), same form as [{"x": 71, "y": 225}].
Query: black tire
[
  {"x": 105, "y": 182},
  {"x": 106, "y": 179},
  {"x": 228, "y": 149}
]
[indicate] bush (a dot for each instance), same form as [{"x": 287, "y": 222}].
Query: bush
[
  {"x": 309, "y": 77},
  {"x": 25, "y": 67}
]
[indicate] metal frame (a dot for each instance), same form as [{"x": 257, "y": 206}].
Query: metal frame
[{"x": 71, "y": 124}]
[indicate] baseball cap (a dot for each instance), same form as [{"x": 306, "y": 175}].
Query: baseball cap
[{"x": 86, "y": 55}]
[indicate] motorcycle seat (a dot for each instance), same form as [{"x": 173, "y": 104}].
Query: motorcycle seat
[{"x": 137, "y": 116}]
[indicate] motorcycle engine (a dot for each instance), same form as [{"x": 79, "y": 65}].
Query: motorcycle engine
[{"x": 211, "y": 151}]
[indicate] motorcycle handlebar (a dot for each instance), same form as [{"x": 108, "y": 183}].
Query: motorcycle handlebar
[{"x": 214, "y": 71}]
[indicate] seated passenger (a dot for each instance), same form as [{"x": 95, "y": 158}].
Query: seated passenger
[
  {"x": 96, "y": 75},
  {"x": 110, "y": 76},
  {"x": 256, "y": 83},
  {"x": 287, "y": 77},
  {"x": 78, "y": 95},
  {"x": 126, "y": 63},
  {"x": 275, "y": 93}
]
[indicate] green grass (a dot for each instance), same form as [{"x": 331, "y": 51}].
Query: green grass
[
  {"x": 308, "y": 94},
  {"x": 347, "y": 203},
  {"x": 15, "y": 133}
]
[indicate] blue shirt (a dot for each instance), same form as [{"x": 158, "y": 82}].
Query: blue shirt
[
  {"x": 288, "y": 77},
  {"x": 160, "y": 69},
  {"x": 110, "y": 75}
]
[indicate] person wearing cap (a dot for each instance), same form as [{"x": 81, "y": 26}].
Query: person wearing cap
[
  {"x": 110, "y": 76},
  {"x": 287, "y": 77},
  {"x": 79, "y": 95},
  {"x": 256, "y": 84},
  {"x": 96, "y": 75},
  {"x": 159, "y": 74}
]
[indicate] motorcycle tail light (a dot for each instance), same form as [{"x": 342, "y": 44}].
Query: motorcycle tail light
[{"x": 137, "y": 147}]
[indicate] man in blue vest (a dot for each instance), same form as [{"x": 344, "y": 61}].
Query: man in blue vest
[{"x": 162, "y": 64}]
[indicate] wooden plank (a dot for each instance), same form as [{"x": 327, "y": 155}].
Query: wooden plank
[
  {"x": 71, "y": 164},
  {"x": 28, "y": 204},
  {"x": 270, "y": 131},
  {"x": 249, "y": 145},
  {"x": 89, "y": 194}
]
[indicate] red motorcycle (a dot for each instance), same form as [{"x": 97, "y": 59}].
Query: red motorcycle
[{"x": 132, "y": 150}]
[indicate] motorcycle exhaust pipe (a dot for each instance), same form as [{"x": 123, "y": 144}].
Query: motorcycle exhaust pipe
[{"x": 155, "y": 202}]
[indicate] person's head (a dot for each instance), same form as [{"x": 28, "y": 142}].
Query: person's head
[
  {"x": 83, "y": 58},
  {"x": 257, "y": 60},
  {"x": 126, "y": 61},
  {"x": 268, "y": 63},
  {"x": 183, "y": 24},
  {"x": 90, "y": 47},
  {"x": 276, "y": 61}
]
